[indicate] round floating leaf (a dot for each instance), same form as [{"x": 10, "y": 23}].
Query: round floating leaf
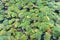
[
  {"x": 23, "y": 37},
  {"x": 6, "y": 22},
  {"x": 2, "y": 38},
  {"x": 47, "y": 36},
  {"x": 1, "y": 17}
]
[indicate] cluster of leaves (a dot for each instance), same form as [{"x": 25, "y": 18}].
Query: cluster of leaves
[{"x": 29, "y": 20}]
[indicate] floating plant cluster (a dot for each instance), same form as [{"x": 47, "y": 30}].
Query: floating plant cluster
[{"x": 29, "y": 20}]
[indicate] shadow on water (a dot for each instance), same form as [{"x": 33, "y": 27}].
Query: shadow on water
[
  {"x": 1, "y": 21},
  {"x": 42, "y": 36}
]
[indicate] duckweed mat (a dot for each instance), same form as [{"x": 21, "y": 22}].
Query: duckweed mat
[{"x": 29, "y": 20}]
